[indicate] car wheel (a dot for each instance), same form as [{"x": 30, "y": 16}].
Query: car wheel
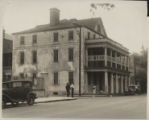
[{"x": 31, "y": 100}]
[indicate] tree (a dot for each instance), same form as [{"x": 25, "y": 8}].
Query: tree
[{"x": 140, "y": 61}]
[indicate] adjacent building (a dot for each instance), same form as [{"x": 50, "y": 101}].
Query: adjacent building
[
  {"x": 7, "y": 56},
  {"x": 77, "y": 51}
]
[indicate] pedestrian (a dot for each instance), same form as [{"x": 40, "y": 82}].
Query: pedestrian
[
  {"x": 72, "y": 89},
  {"x": 68, "y": 89}
]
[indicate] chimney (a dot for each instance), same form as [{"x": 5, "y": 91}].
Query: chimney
[{"x": 54, "y": 16}]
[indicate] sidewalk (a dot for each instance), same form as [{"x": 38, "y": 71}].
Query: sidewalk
[{"x": 53, "y": 99}]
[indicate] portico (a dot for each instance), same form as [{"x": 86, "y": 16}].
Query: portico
[{"x": 106, "y": 67}]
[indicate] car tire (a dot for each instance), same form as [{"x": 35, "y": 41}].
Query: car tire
[{"x": 31, "y": 100}]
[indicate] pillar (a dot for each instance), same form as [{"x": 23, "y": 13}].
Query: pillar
[
  {"x": 126, "y": 83},
  {"x": 106, "y": 81},
  {"x": 121, "y": 61},
  {"x": 111, "y": 58},
  {"x": 125, "y": 62},
  {"x": 86, "y": 53},
  {"x": 122, "y": 89},
  {"x": 117, "y": 85},
  {"x": 115, "y": 59},
  {"x": 105, "y": 56},
  {"x": 86, "y": 83},
  {"x": 112, "y": 85}
]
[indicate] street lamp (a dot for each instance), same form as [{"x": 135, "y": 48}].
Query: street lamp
[{"x": 79, "y": 56}]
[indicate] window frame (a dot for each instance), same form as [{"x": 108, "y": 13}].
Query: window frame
[
  {"x": 22, "y": 57},
  {"x": 70, "y": 54},
  {"x": 55, "y": 78},
  {"x": 34, "y": 39},
  {"x": 88, "y": 35},
  {"x": 34, "y": 57},
  {"x": 71, "y": 77},
  {"x": 55, "y": 37},
  {"x": 55, "y": 55},
  {"x": 22, "y": 40},
  {"x": 70, "y": 35}
]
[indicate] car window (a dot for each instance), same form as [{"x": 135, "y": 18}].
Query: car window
[
  {"x": 17, "y": 84},
  {"x": 7, "y": 85}
]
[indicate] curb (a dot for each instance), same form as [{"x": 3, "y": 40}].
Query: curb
[{"x": 46, "y": 101}]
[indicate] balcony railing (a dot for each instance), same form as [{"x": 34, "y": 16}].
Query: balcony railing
[
  {"x": 117, "y": 60},
  {"x": 96, "y": 58}
]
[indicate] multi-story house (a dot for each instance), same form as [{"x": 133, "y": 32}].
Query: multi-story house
[
  {"x": 7, "y": 57},
  {"x": 77, "y": 51}
]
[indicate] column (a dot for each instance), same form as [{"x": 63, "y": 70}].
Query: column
[
  {"x": 129, "y": 81},
  {"x": 124, "y": 62},
  {"x": 115, "y": 59},
  {"x": 117, "y": 86},
  {"x": 121, "y": 61},
  {"x": 86, "y": 83},
  {"x": 105, "y": 56},
  {"x": 111, "y": 57},
  {"x": 86, "y": 53},
  {"x": 128, "y": 59},
  {"x": 112, "y": 85},
  {"x": 106, "y": 81},
  {"x": 126, "y": 83},
  {"x": 122, "y": 89}
]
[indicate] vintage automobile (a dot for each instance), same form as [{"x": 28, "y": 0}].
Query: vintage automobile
[
  {"x": 132, "y": 90},
  {"x": 16, "y": 91}
]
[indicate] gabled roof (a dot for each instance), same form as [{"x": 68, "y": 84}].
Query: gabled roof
[{"x": 92, "y": 23}]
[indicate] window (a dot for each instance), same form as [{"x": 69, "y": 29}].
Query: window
[
  {"x": 70, "y": 54},
  {"x": 55, "y": 36},
  {"x": 17, "y": 84},
  {"x": 34, "y": 57},
  {"x": 71, "y": 77},
  {"x": 22, "y": 40},
  {"x": 94, "y": 36},
  {"x": 21, "y": 58},
  {"x": 88, "y": 35},
  {"x": 70, "y": 35},
  {"x": 34, "y": 75},
  {"x": 55, "y": 78},
  {"x": 21, "y": 75},
  {"x": 55, "y": 55},
  {"x": 34, "y": 38}
]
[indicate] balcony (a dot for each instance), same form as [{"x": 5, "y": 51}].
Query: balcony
[
  {"x": 101, "y": 58},
  {"x": 96, "y": 58}
]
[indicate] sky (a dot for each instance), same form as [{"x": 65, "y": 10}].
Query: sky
[{"x": 125, "y": 23}]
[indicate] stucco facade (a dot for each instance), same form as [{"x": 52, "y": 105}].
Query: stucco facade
[
  {"x": 97, "y": 60},
  {"x": 45, "y": 66}
]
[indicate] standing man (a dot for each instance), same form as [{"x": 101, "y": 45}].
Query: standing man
[
  {"x": 72, "y": 89},
  {"x": 68, "y": 89}
]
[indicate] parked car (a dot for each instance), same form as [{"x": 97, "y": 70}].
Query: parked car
[
  {"x": 133, "y": 89},
  {"x": 16, "y": 91}
]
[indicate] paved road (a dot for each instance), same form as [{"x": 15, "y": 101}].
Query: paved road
[{"x": 125, "y": 107}]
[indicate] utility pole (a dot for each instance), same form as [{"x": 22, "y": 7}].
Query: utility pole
[{"x": 79, "y": 56}]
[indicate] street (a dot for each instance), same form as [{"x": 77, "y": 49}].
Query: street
[{"x": 124, "y": 107}]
